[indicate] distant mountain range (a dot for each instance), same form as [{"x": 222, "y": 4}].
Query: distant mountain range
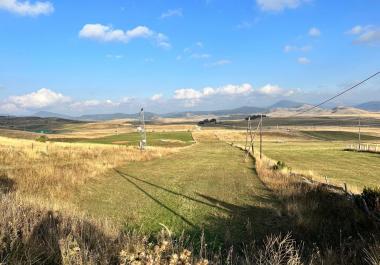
[
  {"x": 281, "y": 105},
  {"x": 369, "y": 106}
]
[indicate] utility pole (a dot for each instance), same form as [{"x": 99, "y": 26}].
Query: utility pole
[
  {"x": 252, "y": 137},
  {"x": 141, "y": 130},
  {"x": 246, "y": 136},
  {"x": 359, "y": 132},
  {"x": 261, "y": 136}
]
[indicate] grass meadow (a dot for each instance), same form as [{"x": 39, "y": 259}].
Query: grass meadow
[
  {"x": 319, "y": 154},
  {"x": 166, "y": 139},
  {"x": 206, "y": 187},
  {"x": 203, "y": 202}
]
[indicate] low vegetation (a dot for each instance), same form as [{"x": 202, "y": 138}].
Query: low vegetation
[
  {"x": 339, "y": 136},
  {"x": 166, "y": 139},
  {"x": 87, "y": 203},
  {"x": 57, "y": 170},
  {"x": 328, "y": 159}
]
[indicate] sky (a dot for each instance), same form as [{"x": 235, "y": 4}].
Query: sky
[{"x": 81, "y": 57}]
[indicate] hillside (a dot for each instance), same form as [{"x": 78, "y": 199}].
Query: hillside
[{"x": 370, "y": 106}]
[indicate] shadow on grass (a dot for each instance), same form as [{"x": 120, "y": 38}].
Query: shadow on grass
[
  {"x": 49, "y": 238},
  {"x": 230, "y": 224},
  {"x": 6, "y": 184}
]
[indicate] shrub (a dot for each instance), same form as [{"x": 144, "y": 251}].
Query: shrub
[
  {"x": 372, "y": 198},
  {"x": 42, "y": 139},
  {"x": 280, "y": 165}
]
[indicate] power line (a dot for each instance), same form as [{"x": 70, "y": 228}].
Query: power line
[{"x": 337, "y": 95}]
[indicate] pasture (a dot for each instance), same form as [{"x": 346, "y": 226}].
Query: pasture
[
  {"x": 168, "y": 139},
  {"x": 320, "y": 159},
  {"x": 186, "y": 187},
  {"x": 319, "y": 154},
  {"x": 206, "y": 186}
]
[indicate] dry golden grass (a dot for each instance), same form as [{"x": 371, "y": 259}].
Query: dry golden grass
[{"x": 58, "y": 169}]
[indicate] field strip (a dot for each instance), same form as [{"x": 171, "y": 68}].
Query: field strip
[{"x": 206, "y": 186}]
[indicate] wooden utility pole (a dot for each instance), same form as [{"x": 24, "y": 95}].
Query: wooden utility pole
[
  {"x": 261, "y": 136},
  {"x": 252, "y": 137},
  {"x": 246, "y": 136}
]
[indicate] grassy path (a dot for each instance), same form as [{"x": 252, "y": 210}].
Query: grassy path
[{"x": 207, "y": 186}]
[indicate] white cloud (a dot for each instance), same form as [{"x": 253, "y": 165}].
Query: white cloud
[
  {"x": 274, "y": 90},
  {"x": 172, "y": 13},
  {"x": 368, "y": 34},
  {"x": 293, "y": 48},
  {"x": 189, "y": 93},
  {"x": 218, "y": 63},
  {"x": 39, "y": 99},
  {"x": 25, "y": 8},
  {"x": 199, "y": 44},
  {"x": 93, "y": 103},
  {"x": 156, "y": 97},
  {"x": 356, "y": 30},
  {"x": 191, "y": 97},
  {"x": 270, "y": 90},
  {"x": 108, "y": 34},
  {"x": 278, "y": 5},
  {"x": 314, "y": 32},
  {"x": 303, "y": 60},
  {"x": 9, "y": 108}
]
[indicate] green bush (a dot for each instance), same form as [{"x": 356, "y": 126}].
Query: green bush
[{"x": 42, "y": 139}]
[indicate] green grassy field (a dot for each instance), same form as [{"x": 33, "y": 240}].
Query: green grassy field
[
  {"x": 168, "y": 139},
  {"x": 328, "y": 159},
  {"x": 338, "y": 135},
  {"x": 207, "y": 186}
]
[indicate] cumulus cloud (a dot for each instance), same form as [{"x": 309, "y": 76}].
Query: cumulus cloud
[
  {"x": 303, "y": 60},
  {"x": 368, "y": 34},
  {"x": 192, "y": 96},
  {"x": 156, "y": 97},
  {"x": 274, "y": 90},
  {"x": 25, "y": 8},
  {"x": 270, "y": 90},
  {"x": 278, "y": 5},
  {"x": 314, "y": 32},
  {"x": 105, "y": 33},
  {"x": 39, "y": 99},
  {"x": 187, "y": 93},
  {"x": 172, "y": 13}
]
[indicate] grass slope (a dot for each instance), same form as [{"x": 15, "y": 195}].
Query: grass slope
[
  {"x": 328, "y": 159},
  {"x": 339, "y": 135},
  {"x": 207, "y": 186}
]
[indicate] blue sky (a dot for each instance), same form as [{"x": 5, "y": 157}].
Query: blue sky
[{"x": 115, "y": 56}]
